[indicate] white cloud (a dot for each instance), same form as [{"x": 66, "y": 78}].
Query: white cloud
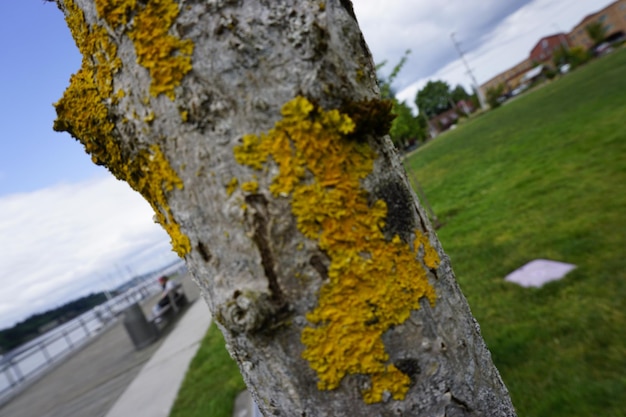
[
  {"x": 390, "y": 28},
  {"x": 63, "y": 242}
]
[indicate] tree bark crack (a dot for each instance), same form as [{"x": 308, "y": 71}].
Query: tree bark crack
[
  {"x": 260, "y": 237},
  {"x": 317, "y": 264},
  {"x": 204, "y": 252},
  {"x": 459, "y": 404}
]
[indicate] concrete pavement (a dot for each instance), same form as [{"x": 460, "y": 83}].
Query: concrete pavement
[{"x": 154, "y": 389}]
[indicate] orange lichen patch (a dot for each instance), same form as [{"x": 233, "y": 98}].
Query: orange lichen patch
[
  {"x": 82, "y": 112},
  {"x": 166, "y": 57},
  {"x": 373, "y": 283}
]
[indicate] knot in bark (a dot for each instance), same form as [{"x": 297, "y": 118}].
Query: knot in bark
[{"x": 246, "y": 312}]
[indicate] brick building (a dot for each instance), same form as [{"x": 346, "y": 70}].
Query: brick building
[
  {"x": 510, "y": 78},
  {"x": 544, "y": 50},
  {"x": 445, "y": 120},
  {"x": 612, "y": 17}
]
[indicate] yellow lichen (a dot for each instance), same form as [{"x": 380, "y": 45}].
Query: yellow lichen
[
  {"x": 165, "y": 56},
  {"x": 120, "y": 94},
  {"x": 115, "y": 12},
  {"x": 392, "y": 380},
  {"x": 82, "y": 112},
  {"x": 373, "y": 283},
  {"x": 250, "y": 186},
  {"x": 232, "y": 186},
  {"x": 149, "y": 118},
  {"x": 431, "y": 257},
  {"x": 156, "y": 177}
]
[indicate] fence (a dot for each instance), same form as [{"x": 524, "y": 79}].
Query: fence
[{"x": 29, "y": 361}]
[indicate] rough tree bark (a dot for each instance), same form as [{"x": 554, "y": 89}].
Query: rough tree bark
[{"x": 255, "y": 130}]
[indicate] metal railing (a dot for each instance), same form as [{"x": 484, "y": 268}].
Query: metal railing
[{"x": 31, "y": 360}]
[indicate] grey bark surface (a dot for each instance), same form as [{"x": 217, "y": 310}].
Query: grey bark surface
[{"x": 250, "y": 58}]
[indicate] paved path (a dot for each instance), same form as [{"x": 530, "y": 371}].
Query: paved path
[
  {"x": 90, "y": 382},
  {"x": 154, "y": 389}
]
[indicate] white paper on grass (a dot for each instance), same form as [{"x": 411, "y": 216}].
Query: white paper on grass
[{"x": 538, "y": 272}]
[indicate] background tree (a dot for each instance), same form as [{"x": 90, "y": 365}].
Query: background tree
[
  {"x": 596, "y": 32},
  {"x": 256, "y": 132},
  {"x": 474, "y": 99},
  {"x": 405, "y": 126},
  {"x": 458, "y": 94},
  {"x": 560, "y": 56},
  {"x": 494, "y": 94},
  {"x": 434, "y": 98},
  {"x": 578, "y": 56},
  {"x": 574, "y": 56}
]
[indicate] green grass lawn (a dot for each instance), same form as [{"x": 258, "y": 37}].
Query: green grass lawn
[
  {"x": 543, "y": 177},
  {"x": 211, "y": 383}
]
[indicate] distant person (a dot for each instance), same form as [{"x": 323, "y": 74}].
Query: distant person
[{"x": 168, "y": 286}]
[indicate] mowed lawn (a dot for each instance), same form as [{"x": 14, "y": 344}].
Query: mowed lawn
[
  {"x": 543, "y": 177},
  {"x": 212, "y": 381}
]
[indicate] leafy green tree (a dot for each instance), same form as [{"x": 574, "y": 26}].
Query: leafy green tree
[
  {"x": 597, "y": 32},
  {"x": 474, "y": 99},
  {"x": 405, "y": 125},
  {"x": 575, "y": 56},
  {"x": 493, "y": 94},
  {"x": 578, "y": 56},
  {"x": 560, "y": 56},
  {"x": 434, "y": 98},
  {"x": 459, "y": 93}
]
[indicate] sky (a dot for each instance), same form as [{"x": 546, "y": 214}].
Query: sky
[{"x": 68, "y": 228}]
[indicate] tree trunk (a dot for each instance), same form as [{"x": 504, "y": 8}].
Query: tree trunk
[{"x": 255, "y": 130}]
